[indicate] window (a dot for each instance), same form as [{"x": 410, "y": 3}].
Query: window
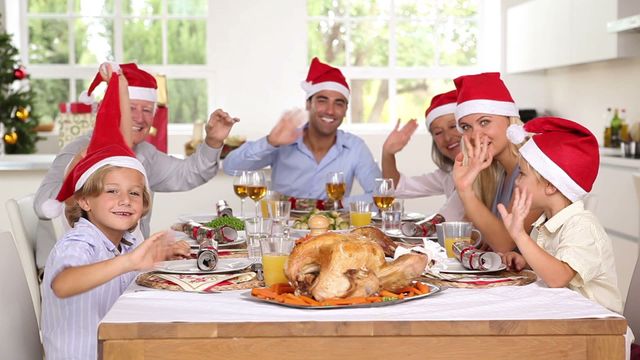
[
  {"x": 67, "y": 39},
  {"x": 396, "y": 54}
]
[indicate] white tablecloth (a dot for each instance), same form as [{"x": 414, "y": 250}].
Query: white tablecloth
[{"x": 534, "y": 301}]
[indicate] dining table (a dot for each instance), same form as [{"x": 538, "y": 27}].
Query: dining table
[{"x": 507, "y": 322}]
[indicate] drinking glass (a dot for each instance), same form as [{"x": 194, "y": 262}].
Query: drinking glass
[
  {"x": 336, "y": 187},
  {"x": 256, "y": 188},
  {"x": 383, "y": 193},
  {"x": 275, "y": 252},
  {"x": 257, "y": 229},
  {"x": 392, "y": 218},
  {"x": 360, "y": 214},
  {"x": 240, "y": 188},
  {"x": 279, "y": 212},
  {"x": 456, "y": 231}
]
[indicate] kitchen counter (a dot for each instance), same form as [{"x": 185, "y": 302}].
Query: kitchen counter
[{"x": 26, "y": 162}]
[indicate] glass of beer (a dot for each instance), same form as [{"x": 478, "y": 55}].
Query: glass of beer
[
  {"x": 256, "y": 188},
  {"x": 336, "y": 187},
  {"x": 240, "y": 188},
  {"x": 383, "y": 193}
]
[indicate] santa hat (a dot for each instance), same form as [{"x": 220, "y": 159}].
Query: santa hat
[
  {"x": 142, "y": 85},
  {"x": 324, "y": 77},
  {"x": 562, "y": 151},
  {"x": 441, "y": 104},
  {"x": 107, "y": 147},
  {"x": 483, "y": 93}
]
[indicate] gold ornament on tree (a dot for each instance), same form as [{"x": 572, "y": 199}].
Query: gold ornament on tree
[
  {"x": 22, "y": 113},
  {"x": 11, "y": 138}
]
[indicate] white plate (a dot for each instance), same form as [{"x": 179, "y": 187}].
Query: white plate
[
  {"x": 306, "y": 212},
  {"x": 455, "y": 267},
  {"x": 412, "y": 216},
  {"x": 305, "y": 232},
  {"x": 242, "y": 238},
  {"x": 200, "y": 218},
  {"x": 189, "y": 266},
  {"x": 411, "y": 239}
]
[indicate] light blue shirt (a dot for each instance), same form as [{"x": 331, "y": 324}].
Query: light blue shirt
[
  {"x": 295, "y": 172},
  {"x": 70, "y": 325}
]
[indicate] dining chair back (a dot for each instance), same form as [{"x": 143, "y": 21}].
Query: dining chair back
[
  {"x": 591, "y": 202},
  {"x": 19, "y": 333},
  {"x": 632, "y": 305}
]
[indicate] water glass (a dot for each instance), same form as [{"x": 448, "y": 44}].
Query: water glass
[
  {"x": 257, "y": 230},
  {"x": 392, "y": 218},
  {"x": 275, "y": 252},
  {"x": 279, "y": 212},
  {"x": 360, "y": 213}
]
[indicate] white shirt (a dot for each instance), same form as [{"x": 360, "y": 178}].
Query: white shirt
[
  {"x": 438, "y": 182},
  {"x": 70, "y": 325},
  {"x": 574, "y": 235}
]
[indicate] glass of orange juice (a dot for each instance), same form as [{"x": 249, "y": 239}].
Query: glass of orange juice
[
  {"x": 275, "y": 252},
  {"x": 456, "y": 231},
  {"x": 360, "y": 213}
]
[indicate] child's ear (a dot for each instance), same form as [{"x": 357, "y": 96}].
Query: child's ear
[
  {"x": 550, "y": 189},
  {"x": 83, "y": 203}
]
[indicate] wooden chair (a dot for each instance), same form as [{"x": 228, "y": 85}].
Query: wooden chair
[
  {"x": 19, "y": 333},
  {"x": 632, "y": 305},
  {"x": 24, "y": 223}
]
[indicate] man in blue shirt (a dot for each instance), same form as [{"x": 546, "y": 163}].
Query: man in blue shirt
[{"x": 301, "y": 157}]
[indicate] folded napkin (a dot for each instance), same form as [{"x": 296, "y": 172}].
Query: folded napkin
[
  {"x": 203, "y": 282},
  {"x": 435, "y": 252}
]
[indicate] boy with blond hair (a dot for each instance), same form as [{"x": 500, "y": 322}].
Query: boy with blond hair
[{"x": 559, "y": 164}]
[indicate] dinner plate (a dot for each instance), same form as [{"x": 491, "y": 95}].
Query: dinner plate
[
  {"x": 194, "y": 244},
  {"x": 306, "y": 212},
  {"x": 455, "y": 267},
  {"x": 411, "y": 239},
  {"x": 305, "y": 232},
  {"x": 189, "y": 266},
  {"x": 411, "y": 216},
  {"x": 432, "y": 290},
  {"x": 200, "y": 218}
]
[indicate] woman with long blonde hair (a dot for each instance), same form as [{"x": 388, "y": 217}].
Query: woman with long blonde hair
[{"x": 486, "y": 170}]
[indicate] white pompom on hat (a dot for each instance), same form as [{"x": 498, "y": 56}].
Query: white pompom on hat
[
  {"x": 324, "y": 77},
  {"x": 142, "y": 85},
  {"x": 107, "y": 147},
  {"x": 483, "y": 93},
  {"x": 563, "y": 152}
]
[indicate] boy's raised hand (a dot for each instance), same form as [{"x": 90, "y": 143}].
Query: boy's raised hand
[
  {"x": 479, "y": 157},
  {"x": 514, "y": 221}
]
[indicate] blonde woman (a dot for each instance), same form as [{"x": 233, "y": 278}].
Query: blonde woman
[
  {"x": 485, "y": 174},
  {"x": 441, "y": 123}
]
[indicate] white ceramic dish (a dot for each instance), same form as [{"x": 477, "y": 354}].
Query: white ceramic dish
[
  {"x": 189, "y": 266},
  {"x": 412, "y": 216},
  {"x": 455, "y": 267}
]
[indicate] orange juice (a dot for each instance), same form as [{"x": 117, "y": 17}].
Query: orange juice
[
  {"x": 273, "y": 267},
  {"x": 360, "y": 218},
  {"x": 448, "y": 244}
]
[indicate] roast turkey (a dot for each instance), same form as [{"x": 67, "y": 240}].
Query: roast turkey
[{"x": 333, "y": 265}]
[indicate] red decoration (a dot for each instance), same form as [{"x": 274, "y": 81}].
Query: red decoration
[
  {"x": 19, "y": 73},
  {"x": 160, "y": 123},
  {"x": 74, "y": 108}
]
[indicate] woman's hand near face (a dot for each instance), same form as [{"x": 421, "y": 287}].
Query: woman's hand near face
[{"x": 479, "y": 157}]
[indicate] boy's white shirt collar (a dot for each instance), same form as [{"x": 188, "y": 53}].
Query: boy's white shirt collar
[{"x": 555, "y": 222}]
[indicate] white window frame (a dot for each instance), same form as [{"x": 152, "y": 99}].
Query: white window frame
[{"x": 489, "y": 59}]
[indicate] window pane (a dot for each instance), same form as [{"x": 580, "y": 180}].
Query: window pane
[
  {"x": 48, "y": 41},
  {"x": 458, "y": 8},
  {"x": 459, "y": 43},
  {"x": 415, "y": 44},
  {"x": 94, "y": 40},
  {"x": 369, "y": 44},
  {"x": 142, "y": 41},
  {"x": 368, "y": 7},
  {"x": 326, "y": 40},
  {"x": 141, "y": 7},
  {"x": 187, "y": 41},
  {"x": 414, "y": 96},
  {"x": 369, "y": 101},
  {"x": 416, "y": 8},
  {"x": 93, "y": 7},
  {"x": 49, "y": 93},
  {"x": 187, "y": 7},
  {"x": 187, "y": 100},
  {"x": 326, "y": 7},
  {"x": 47, "y": 6}
]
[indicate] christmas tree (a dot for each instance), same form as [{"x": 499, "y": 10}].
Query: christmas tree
[{"x": 17, "y": 119}]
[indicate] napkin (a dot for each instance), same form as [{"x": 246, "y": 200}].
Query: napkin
[
  {"x": 203, "y": 282},
  {"x": 436, "y": 254}
]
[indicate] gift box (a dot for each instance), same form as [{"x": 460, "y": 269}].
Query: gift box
[{"x": 73, "y": 120}]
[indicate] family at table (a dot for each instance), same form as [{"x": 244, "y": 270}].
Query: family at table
[{"x": 520, "y": 185}]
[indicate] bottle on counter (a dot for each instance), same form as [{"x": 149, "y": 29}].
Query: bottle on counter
[
  {"x": 607, "y": 130},
  {"x": 624, "y": 127},
  {"x": 196, "y": 138},
  {"x": 615, "y": 129}
]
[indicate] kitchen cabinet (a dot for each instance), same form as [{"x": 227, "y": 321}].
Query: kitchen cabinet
[{"x": 542, "y": 34}]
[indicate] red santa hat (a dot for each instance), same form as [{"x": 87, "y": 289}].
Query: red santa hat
[
  {"x": 562, "y": 151},
  {"x": 142, "y": 85},
  {"x": 483, "y": 93},
  {"x": 324, "y": 77},
  {"x": 441, "y": 104},
  {"x": 107, "y": 147}
]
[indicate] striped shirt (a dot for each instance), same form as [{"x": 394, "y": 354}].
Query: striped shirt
[{"x": 70, "y": 325}]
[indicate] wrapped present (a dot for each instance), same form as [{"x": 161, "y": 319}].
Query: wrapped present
[{"x": 73, "y": 120}]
